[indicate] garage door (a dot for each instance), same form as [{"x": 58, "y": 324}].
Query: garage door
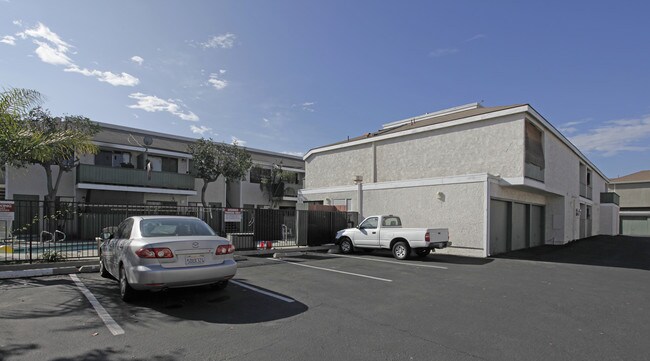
[
  {"x": 536, "y": 226},
  {"x": 515, "y": 226},
  {"x": 499, "y": 226},
  {"x": 635, "y": 226}
]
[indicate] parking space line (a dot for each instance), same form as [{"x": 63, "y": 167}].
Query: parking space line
[
  {"x": 385, "y": 261},
  {"x": 333, "y": 270},
  {"x": 282, "y": 298},
  {"x": 101, "y": 311}
]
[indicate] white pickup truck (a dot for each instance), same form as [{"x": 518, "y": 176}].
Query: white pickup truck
[{"x": 386, "y": 232}]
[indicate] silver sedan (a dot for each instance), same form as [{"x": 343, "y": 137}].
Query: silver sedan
[{"x": 160, "y": 252}]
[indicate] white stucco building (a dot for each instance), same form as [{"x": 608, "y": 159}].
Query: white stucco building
[{"x": 500, "y": 178}]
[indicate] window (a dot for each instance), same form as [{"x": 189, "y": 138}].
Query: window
[
  {"x": 165, "y": 227},
  {"x": 391, "y": 221},
  {"x": 104, "y": 158},
  {"x": 370, "y": 223},
  {"x": 170, "y": 165},
  {"x": 257, "y": 174},
  {"x": 124, "y": 229},
  {"x": 534, "y": 153}
]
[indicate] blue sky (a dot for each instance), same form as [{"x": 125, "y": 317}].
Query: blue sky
[{"x": 289, "y": 76}]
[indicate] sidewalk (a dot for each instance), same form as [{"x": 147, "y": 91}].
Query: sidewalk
[{"x": 24, "y": 270}]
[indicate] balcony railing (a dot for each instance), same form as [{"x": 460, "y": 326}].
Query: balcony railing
[
  {"x": 133, "y": 177},
  {"x": 609, "y": 197}
]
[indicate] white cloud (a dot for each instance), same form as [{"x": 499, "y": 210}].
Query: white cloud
[
  {"x": 297, "y": 154},
  {"x": 199, "y": 130},
  {"x": 224, "y": 41},
  {"x": 122, "y": 79},
  {"x": 570, "y": 127},
  {"x": 8, "y": 39},
  {"x": 151, "y": 103},
  {"x": 631, "y": 135},
  {"x": 238, "y": 141},
  {"x": 308, "y": 106},
  {"x": 442, "y": 52},
  {"x": 217, "y": 83},
  {"x": 137, "y": 59},
  {"x": 53, "y": 50},
  {"x": 267, "y": 123},
  {"x": 476, "y": 37},
  {"x": 51, "y": 55},
  {"x": 17, "y": 22}
]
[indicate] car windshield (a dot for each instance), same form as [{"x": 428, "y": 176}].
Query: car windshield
[{"x": 167, "y": 227}]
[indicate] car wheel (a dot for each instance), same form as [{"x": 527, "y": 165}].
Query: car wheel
[
  {"x": 102, "y": 269},
  {"x": 219, "y": 285},
  {"x": 127, "y": 293},
  {"x": 422, "y": 252},
  {"x": 401, "y": 250},
  {"x": 346, "y": 246}
]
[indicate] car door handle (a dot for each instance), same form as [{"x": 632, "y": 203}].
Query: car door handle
[{"x": 374, "y": 232}]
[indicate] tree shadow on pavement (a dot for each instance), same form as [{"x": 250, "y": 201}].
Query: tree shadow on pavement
[
  {"x": 15, "y": 351},
  {"x": 607, "y": 251},
  {"x": 115, "y": 355}
]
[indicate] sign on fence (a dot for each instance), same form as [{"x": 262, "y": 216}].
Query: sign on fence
[
  {"x": 6, "y": 210},
  {"x": 232, "y": 215}
]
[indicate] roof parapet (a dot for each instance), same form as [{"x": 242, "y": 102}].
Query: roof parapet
[{"x": 439, "y": 113}]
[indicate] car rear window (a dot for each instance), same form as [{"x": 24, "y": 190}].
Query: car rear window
[{"x": 167, "y": 227}]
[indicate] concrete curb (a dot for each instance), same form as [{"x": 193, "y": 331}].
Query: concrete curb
[
  {"x": 39, "y": 272},
  {"x": 26, "y": 271}
]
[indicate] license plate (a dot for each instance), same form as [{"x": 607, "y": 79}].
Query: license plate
[{"x": 194, "y": 260}]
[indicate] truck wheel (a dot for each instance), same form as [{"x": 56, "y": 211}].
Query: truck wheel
[
  {"x": 346, "y": 246},
  {"x": 422, "y": 252},
  {"x": 401, "y": 250}
]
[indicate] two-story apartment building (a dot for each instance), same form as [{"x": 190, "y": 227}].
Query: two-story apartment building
[
  {"x": 118, "y": 174},
  {"x": 634, "y": 192},
  {"x": 500, "y": 178}
]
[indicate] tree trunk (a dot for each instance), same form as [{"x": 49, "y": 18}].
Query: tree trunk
[
  {"x": 50, "y": 207},
  {"x": 203, "y": 190}
]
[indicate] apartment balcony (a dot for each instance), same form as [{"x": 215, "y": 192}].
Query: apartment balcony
[
  {"x": 115, "y": 176},
  {"x": 609, "y": 197}
]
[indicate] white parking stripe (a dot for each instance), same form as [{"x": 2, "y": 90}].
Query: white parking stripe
[
  {"x": 282, "y": 298},
  {"x": 333, "y": 270},
  {"x": 101, "y": 311},
  {"x": 385, "y": 261}
]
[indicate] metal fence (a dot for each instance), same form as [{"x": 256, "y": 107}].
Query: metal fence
[{"x": 43, "y": 231}]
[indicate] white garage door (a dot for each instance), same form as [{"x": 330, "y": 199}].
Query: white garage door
[{"x": 635, "y": 226}]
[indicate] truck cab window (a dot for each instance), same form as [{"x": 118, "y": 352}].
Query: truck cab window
[{"x": 369, "y": 223}]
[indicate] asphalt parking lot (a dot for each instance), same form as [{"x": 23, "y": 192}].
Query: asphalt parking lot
[{"x": 537, "y": 305}]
